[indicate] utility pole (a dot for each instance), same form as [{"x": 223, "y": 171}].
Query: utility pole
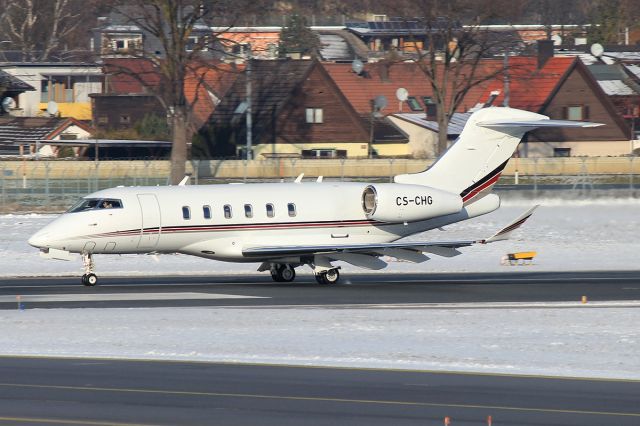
[{"x": 249, "y": 110}]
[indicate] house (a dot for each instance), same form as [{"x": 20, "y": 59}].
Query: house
[
  {"x": 561, "y": 87},
  {"x": 10, "y": 89},
  {"x": 16, "y": 132},
  {"x": 131, "y": 85},
  {"x": 297, "y": 110},
  {"x": 121, "y": 34},
  {"x": 60, "y": 88}
]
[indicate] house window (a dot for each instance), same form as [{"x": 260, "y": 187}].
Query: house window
[
  {"x": 186, "y": 212},
  {"x": 227, "y": 211},
  {"x": 314, "y": 115},
  {"x": 414, "y": 104},
  {"x": 103, "y": 119},
  {"x": 292, "y": 209},
  {"x": 206, "y": 211},
  {"x": 248, "y": 211},
  {"x": 576, "y": 112},
  {"x": 192, "y": 42},
  {"x": 270, "y": 211},
  {"x": 125, "y": 119},
  {"x": 562, "y": 152}
]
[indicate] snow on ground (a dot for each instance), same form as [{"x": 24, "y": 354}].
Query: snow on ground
[
  {"x": 579, "y": 342},
  {"x": 589, "y": 235},
  {"x": 587, "y": 341}
]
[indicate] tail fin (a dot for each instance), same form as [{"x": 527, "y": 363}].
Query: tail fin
[{"x": 473, "y": 164}]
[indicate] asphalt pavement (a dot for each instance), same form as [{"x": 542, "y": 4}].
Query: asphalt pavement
[
  {"x": 361, "y": 289},
  {"x": 45, "y": 391}
]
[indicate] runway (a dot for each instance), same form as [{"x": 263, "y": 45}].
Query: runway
[
  {"x": 355, "y": 290},
  {"x": 45, "y": 391},
  {"x": 90, "y": 391}
]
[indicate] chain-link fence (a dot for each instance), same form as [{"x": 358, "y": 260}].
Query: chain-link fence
[{"x": 54, "y": 185}]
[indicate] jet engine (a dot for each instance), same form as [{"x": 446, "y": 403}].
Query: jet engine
[{"x": 394, "y": 202}]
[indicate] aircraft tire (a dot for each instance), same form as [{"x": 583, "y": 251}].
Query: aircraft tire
[
  {"x": 287, "y": 273},
  {"x": 332, "y": 276},
  {"x": 89, "y": 280},
  {"x": 328, "y": 277}
]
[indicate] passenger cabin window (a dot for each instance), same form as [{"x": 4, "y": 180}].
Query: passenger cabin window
[
  {"x": 186, "y": 213},
  {"x": 292, "y": 209},
  {"x": 206, "y": 211},
  {"x": 270, "y": 211},
  {"x": 248, "y": 210},
  {"x": 94, "y": 204},
  {"x": 227, "y": 211}
]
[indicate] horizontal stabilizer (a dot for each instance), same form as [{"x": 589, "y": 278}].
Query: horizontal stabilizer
[{"x": 534, "y": 124}]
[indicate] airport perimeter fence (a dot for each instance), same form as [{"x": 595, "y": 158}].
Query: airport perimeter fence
[{"x": 53, "y": 185}]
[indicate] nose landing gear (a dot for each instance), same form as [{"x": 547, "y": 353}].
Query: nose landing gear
[
  {"x": 89, "y": 279},
  {"x": 330, "y": 276}
]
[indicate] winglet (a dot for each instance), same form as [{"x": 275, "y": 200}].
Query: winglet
[
  {"x": 505, "y": 232},
  {"x": 184, "y": 181},
  {"x": 299, "y": 178}
]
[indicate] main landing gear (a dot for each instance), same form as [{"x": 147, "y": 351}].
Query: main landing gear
[
  {"x": 89, "y": 279},
  {"x": 283, "y": 273},
  {"x": 324, "y": 272}
]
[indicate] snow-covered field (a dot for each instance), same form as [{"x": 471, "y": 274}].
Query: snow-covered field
[{"x": 568, "y": 339}]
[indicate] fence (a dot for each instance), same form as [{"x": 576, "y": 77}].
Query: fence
[{"x": 54, "y": 185}]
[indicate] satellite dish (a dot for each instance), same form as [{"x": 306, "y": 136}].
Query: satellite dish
[
  {"x": 597, "y": 50},
  {"x": 402, "y": 94},
  {"x": 380, "y": 102},
  {"x": 8, "y": 104},
  {"x": 52, "y": 107},
  {"x": 357, "y": 66},
  {"x": 557, "y": 40}
]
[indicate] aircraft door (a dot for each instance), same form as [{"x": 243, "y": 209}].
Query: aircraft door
[{"x": 150, "y": 227}]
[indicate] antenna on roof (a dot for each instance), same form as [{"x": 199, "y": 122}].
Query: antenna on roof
[
  {"x": 597, "y": 50},
  {"x": 357, "y": 66},
  {"x": 52, "y": 108},
  {"x": 402, "y": 95},
  {"x": 8, "y": 104}
]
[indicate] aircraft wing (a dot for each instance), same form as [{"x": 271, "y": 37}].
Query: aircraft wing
[{"x": 366, "y": 255}]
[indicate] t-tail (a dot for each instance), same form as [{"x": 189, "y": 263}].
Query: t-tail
[{"x": 473, "y": 164}]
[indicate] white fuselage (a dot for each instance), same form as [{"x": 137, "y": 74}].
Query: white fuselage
[{"x": 174, "y": 219}]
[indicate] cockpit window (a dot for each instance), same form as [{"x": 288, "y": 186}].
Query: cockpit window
[{"x": 95, "y": 204}]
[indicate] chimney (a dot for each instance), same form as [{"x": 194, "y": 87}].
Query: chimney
[
  {"x": 431, "y": 110},
  {"x": 545, "y": 51}
]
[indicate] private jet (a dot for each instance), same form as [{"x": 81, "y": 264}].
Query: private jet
[{"x": 282, "y": 226}]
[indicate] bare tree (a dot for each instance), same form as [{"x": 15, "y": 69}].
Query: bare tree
[
  {"x": 39, "y": 27},
  {"x": 456, "y": 44},
  {"x": 172, "y": 24}
]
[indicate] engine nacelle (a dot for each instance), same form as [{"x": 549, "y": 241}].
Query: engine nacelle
[{"x": 393, "y": 202}]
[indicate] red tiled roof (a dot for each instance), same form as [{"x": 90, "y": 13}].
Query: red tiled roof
[
  {"x": 529, "y": 87},
  {"x": 120, "y": 81},
  {"x": 205, "y": 85}
]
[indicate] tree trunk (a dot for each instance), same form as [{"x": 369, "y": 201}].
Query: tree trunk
[
  {"x": 443, "y": 126},
  {"x": 179, "y": 145}
]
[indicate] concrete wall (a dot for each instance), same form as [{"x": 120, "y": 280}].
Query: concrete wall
[{"x": 289, "y": 168}]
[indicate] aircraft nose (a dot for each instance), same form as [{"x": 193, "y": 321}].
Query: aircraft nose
[{"x": 39, "y": 239}]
